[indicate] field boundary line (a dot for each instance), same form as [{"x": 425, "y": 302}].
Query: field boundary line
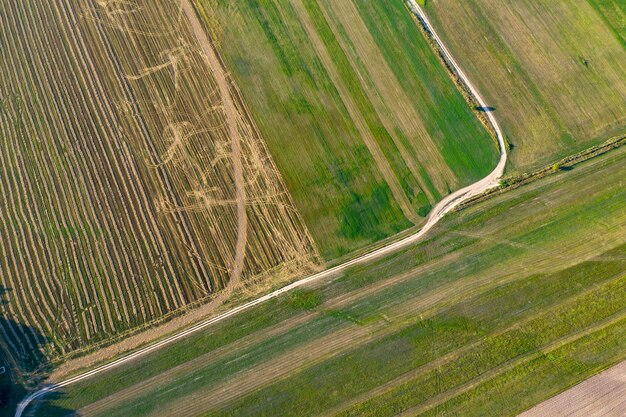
[{"x": 439, "y": 211}]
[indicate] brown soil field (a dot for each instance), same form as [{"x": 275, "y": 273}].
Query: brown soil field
[{"x": 136, "y": 185}]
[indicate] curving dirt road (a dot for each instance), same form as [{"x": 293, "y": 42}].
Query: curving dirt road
[
  {"x": 438, "y": 212},
  {"x": 232, "y": 118}
]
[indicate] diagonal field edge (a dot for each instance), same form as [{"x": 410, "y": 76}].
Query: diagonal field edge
[{"x": 438, "y": 212}]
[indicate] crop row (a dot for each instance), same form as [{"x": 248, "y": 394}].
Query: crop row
[{"x": 119, "y": 204}]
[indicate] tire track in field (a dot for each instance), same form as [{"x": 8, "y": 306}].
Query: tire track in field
[{"x": 232, "y": 118}]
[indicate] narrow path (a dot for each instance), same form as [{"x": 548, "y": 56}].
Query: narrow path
[
  {"x": 438, "y": 212},
  {"x": 232, "y": 118}
]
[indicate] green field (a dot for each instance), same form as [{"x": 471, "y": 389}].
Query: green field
[
  {"x": 361, "y": 118},
  {"x": 614, "y": 14},
  {"x": 554, "y": 70},
  {"x": 507, "y": 303}
]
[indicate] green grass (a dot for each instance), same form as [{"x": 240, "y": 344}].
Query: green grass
[
  {"x": 311, "y": 128},
  {"x": 523, "y": 295},
  {"x": 553, "y": 70},
  {"x": 446, "y": 116},
  {"x": 614, "y": 14},
  {"x": 491, "y": 351},
  {"x": 563, "y": 367},
  {"x": 305, "y": 299}
]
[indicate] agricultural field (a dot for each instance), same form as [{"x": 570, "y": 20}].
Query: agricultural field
[
  {"x": 134, "y": 182},
  {"x": 603, "y": 395},
  {"x": 554, "y": 70},
  {"x": 507, "y": 303},
  {"x": 362, "y": 119}
]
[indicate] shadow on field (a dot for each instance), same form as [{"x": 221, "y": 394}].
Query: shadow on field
[
  {"x": 485, "y": 109},
  {"x": 22, "y": 367}
]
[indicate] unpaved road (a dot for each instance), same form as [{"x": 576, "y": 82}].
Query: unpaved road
[
  {"x": 232, "y": 119},
  {"x": 438, "y": 212},
  {"x": 603, "y": 395}
]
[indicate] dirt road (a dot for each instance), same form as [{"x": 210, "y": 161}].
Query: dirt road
[
  {"x": 438, "y": 212},
  {"x": 232, "y": 119}
]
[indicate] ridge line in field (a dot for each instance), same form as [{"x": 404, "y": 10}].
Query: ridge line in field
[{"x": 438, "y": 212}]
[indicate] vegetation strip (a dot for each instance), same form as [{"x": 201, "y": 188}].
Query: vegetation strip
[
  {"x": 519, "y": 361},
  {"x": 515, "y": 181},
  {"x": 447, "y": 358},
  {"x": 363, "y": 143}
]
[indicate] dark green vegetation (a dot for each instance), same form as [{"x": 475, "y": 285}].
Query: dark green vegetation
[
  {"x": 554, "y": 70},
  {"x": 362, "y": 120},
  {"x": 507, "y": 303}
]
